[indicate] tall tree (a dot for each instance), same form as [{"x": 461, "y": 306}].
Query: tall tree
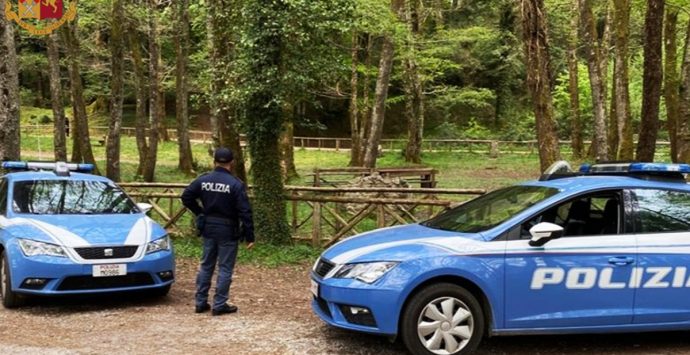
[
  {"x": 684, "y": 106},
  {"x": 59, "y": 119},
  {"x": 81, "y": 150},
  {"x": 378, "y": 113},
  {"x": 9, "y": 90},
  {"x": 590, "y": 39},
  {"x": 140, "y": 88},
  {"x": 621, "y": 80},
  {"x": 651, "y": 81},
  {"x": 117, "y": 66},
  {"x": 413, "y": 85},
  {"x": 573, "y": 88},
  {"x": 263, "y": 114},
  {"x": 671, "y": 79},
  {"x": 182, "y": 82},
  {"x": 155, "y": 96},
  {"x": 536, "y": 43},
  {"x": 224, "y": 113},
  {"x": 353, "y": 110}
]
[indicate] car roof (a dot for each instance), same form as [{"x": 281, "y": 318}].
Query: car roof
[
  {"x": 50, "y": 175},
  {"x": 595, "y": 182}
]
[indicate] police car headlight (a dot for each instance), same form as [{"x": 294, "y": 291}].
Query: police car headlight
[
  {"x": 365, "y": 272},
  {"x": 34, "y": 248},
  {"x": 158, "y": 245}
]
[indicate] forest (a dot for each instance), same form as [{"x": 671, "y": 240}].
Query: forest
[{"x": 611, "y": 77}]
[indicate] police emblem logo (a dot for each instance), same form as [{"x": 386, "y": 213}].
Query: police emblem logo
[{"x": 40, "y": 17}]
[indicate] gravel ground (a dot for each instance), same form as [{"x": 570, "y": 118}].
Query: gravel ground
[{"x": 274, "y": 318}]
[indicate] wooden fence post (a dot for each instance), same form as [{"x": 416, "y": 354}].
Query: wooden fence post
[
  {"x": 381, "y": 216},
  {"x": 316, "y": 225}
]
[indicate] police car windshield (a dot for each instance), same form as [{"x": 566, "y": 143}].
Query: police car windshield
[
  {"x": 490, "y": 210},
  {"x": 70, "y": 197}
]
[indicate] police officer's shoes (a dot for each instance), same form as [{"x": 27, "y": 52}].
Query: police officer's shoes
[
  {"x": 224, "y": 309},
  {"x": 202, "y": 308}
]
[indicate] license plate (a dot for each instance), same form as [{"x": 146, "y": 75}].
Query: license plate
[
  {"x": 109, "y": 270},
  {"x": 315, "y": 288}
]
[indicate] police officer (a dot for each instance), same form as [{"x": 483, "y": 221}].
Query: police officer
[{"x": 224, "y": 219}]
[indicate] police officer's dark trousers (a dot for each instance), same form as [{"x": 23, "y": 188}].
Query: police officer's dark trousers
[{"x": 219, "y": 248}]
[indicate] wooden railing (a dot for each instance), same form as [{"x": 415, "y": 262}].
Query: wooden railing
[
  {"x": 321, "y": 215},
  {"x": 491, "y": 147}
]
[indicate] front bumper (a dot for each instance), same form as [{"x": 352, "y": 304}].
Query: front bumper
[
  {"x": 63, "y": 276},
  {"x": 337, "y": 296}
]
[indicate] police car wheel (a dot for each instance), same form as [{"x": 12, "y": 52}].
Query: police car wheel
[
  {"x": 442, "y": 319},
  {"x": 10, "y": 299}
]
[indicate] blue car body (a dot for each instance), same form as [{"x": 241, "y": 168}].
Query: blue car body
[
  {"x": 629, "y": 278},
  {"x": 88, "y": 241}
]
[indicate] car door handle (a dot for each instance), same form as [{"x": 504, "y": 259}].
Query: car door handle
[{"x": 621, "y": 260}]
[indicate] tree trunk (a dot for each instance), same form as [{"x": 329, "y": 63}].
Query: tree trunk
[
  {"x": 162, "y": 113},
  {"x": 223, "y": 112},
  {"x": 651, "y": 82},
  {"x": 355, "y": 126},
  {"x": 154, "y": 94},
  {"x": 621, "y": 81},
  {"x": 684, "y": 107},
  {"x": 117, "y": 60},
  {"x": 573, "y": 88},
  {"x": 413, "y": 87},
  {"x": 590, "y": 38},
  {"x": 181, "y": 82},
  {"x": 671, "y": 80},
  {"x": 59, "y": 125},
  {"x": 82, "y": 139},
  {"x": 140, "y": 84},
  {"x": 365, "y": 110},
  {"x": 535, "y": 32},
  {"x": 612, "y": 133},
  {"x": 379, "y": 112},
  {"x": 263, "y": 115},
  {"x": 287, "y": 156},
  {"x": 9, "y": 90}
]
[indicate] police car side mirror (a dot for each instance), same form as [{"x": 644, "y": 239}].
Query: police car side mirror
[
  {"x": 144, "y": 207},
  {"x": 543, "y": 232}
]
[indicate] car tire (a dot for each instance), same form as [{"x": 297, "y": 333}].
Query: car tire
[
  {"x": 10, "y": 299},
  {"x": 442, "y": 319}
]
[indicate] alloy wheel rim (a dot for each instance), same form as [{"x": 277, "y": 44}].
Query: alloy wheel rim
[{"x": 445, "y": 326}]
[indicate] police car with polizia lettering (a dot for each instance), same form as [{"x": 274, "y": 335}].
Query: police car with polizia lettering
[
  {"x": 606, "y": 249},
  {"x": 64, "y": 231}
]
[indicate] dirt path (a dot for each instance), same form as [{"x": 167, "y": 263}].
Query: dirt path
[{"x": 274, "y": 318}]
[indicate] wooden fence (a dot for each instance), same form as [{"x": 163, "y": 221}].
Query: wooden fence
[
  {"x": 491, "y": 147},
  {"x": 321, "y": 215}
]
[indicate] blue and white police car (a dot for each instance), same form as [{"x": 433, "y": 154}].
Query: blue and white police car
[
  {"x": 603, "y": 250},
  {"x": 64, "y": 231}
]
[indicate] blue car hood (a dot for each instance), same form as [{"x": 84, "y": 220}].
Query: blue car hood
[
  {"x": 83, "y": 230},
  {"x": 402, "y": 243}
]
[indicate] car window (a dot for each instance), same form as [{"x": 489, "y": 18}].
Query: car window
[
  {"x": 70, "y": 197},
  {"x": 662, "y": 211},
  {"x": 490, "y": 210},
  {"x": 3, "y": 197},
  {"x": 592, "y": 214}
]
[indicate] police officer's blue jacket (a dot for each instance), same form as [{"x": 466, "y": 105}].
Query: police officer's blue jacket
[{"x": 224, "y": 200}]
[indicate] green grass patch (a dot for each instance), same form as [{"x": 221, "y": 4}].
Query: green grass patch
[{"x": 262, "y": 254}]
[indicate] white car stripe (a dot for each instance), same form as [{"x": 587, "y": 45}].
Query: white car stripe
[{"x": 59, "y": 235}]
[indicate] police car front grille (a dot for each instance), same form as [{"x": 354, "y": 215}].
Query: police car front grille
[
  {"x": 78, "y": 283},
  {"x": 107, "y": 252},
  {"x": 323, "y": 267}
]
